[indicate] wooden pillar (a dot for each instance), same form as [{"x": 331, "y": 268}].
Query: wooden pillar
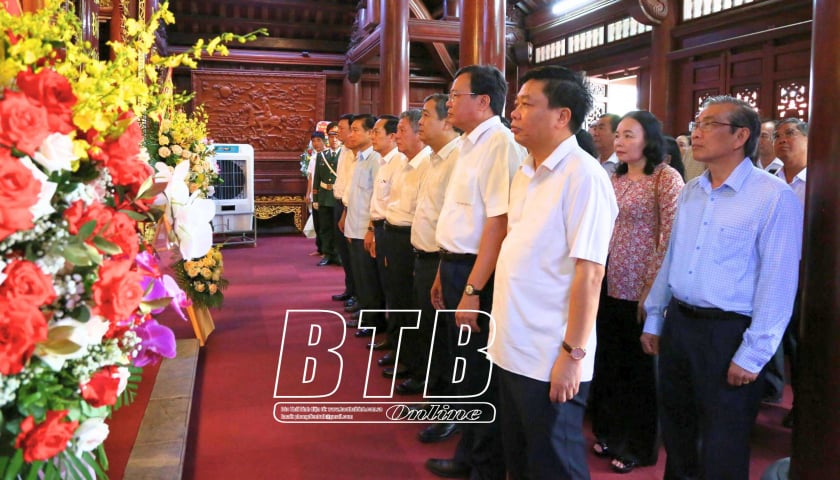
[
  {"x": 89, "y": 15},
  {"x": 116, "y": 32},
  {"x": 816, "y": 434},
  {"x": 661, "y": 100},
  {"x": 483, "y": 33},
  {"x": 393, "y": 56},
  {"x": 350, "y": 96}
]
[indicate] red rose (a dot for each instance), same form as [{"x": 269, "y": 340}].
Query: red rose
[
  {"x": 126, "y": 146},
  {"x": 130, "y": 173},
  {"x": 101, "y": 390},
  {"x": 47, "y": 439},
  {"x": 54, "y": 92},
  {"x": 122, "y": 231},
  {"x": 21, "y": 327},
  {"x": 18, "y": 193},
  {"x": 23, "y": 122},
  {"x": 26, "y": 283},
  {"x": 117, "y": 293},
  {"x": 112, "y": 225}
]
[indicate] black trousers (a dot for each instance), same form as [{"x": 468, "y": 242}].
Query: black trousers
[
  {"x": 542, "y": 440},
  {"x": 626, "y": 382},
  {"x": 382, "y": 252},
  {"x": 480, "y": 445},
  {"x": 399, "y": 287},
  {"x": 706, "y": 423},
  {"x": 418, "y": 343},
  {"x": 368, "y": 289},
  {"x": 326, "y": 228},
  {"x": 343, "y": 249}
]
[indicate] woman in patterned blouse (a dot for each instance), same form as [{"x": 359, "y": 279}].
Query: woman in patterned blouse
[{"x": 646, "y": 189}]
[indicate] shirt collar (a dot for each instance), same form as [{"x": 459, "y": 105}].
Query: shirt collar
[
  {"x": 801, "y": 176},
  {"x": 446, "y": 150},
  {"x": 554, "y": 159},
  {"x": 364, "y": 153},
  {"x": 421, "y": 156},
  {"x": 389, "y": 156},
  {"x": 612, "y": 159},
  {"x": 735, "y": 180},
  {"x": 482, "y": 127}
]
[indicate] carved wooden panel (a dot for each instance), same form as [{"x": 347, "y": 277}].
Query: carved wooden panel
[{"x": 273, "y": 111}]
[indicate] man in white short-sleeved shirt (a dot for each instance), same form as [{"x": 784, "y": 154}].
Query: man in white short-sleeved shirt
[
  {"x": 548, "y": 280},
  {"x": 472, "y": 224}
]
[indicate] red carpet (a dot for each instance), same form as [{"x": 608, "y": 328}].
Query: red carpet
[{"x": 234, "y": 434}]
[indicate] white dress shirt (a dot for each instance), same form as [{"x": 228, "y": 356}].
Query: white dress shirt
[
  {"x": 389, "y": 166},
  {"x": 797, "y": 184},
  {"x": 358, "y": 194},
  {"x": 480, "y": 185},
  {"x": 560, "y": 212},
  {"x": 343, "y": 172},
  {"x": 431, "y": 194},
  {"x": 405, "y": 189}
]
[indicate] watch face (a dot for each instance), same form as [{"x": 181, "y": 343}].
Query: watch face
[
  {"x": 578, "y": 353},
  {"x": 469, "y": 290}
]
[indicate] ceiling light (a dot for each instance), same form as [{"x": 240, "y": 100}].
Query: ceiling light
[{"x": 566, "y": 6}]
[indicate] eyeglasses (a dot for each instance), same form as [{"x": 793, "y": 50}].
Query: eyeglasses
[
  {"x": 332, "y": 134},
  {"x": 788, "y": 134},
  {"x": 460, "y": 94},
  {"x": 707, "y": 125}
]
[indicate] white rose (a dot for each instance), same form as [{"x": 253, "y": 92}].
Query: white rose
[
  {"x": 90, "y": 434},
  {"x": 164, "y": 152},
  {"x": 177, "y": 150},
  {"x": 44, "y": 205},
  {"x": 56, "y": 153},
  {"x": 123, "y": 373}
]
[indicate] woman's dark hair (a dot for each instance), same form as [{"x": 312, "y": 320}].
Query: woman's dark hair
[
  {"x": 585, "y": 142},
  {"x": 672, "y": 149},
  {"x": 652, "y": 128}
]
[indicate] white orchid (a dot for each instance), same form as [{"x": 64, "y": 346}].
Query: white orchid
[
  {"x": 56, "y": 153},
  {"x": 90, "y": 434},
  {"x": 189, "y": 215},
  {"x": 44, "y": 205},
  {"x": 68, "y": 339}
]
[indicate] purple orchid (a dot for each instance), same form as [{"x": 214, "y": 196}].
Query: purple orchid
[
  {"x": 157, "y": 285},
  {"x": 156, "y": 341}
]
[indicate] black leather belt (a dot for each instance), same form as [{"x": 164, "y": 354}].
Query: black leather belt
[
  {"x": 396, "y": 228},
  {"x": 424, "y": 254},
  {"x": 457, "y": 257},
  {"x": 378, "y": 223},
  {"x": 707, "y": 313}
]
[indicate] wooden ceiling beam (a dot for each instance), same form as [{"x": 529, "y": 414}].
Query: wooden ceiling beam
[
  {"x": 228, "y": 24},
  {"x": 269, "y": 43},
  {"x": 426, "y": 31},
  {"x": 298, "y": 5},
  {"x": 440, "y": 55},
  {"x": 367, "y": 48},
  {"x": 271, "y": 58}
]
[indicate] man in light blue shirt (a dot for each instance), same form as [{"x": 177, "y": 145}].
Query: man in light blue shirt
[{"x": 723, "y": 297}]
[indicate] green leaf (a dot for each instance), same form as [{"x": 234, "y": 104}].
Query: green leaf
[
  {"x": 145, "y": 186},
  {"x": 106, "y": 246},
  {"x": 86, "y": 230},
  {"x": 136, "y": 216},
  {"x": 77, "y": 254}
]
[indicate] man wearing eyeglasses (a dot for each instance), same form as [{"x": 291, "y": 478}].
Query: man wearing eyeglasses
[
  {"x": 766, "y": 158},
  {"x": 470, "y": 230},
  {"x": 726, "y": 285}
]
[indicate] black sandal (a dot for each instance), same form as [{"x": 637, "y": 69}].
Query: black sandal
[
  {"x": 601, "y": 449},
  {"x": 627, "y": 465}
]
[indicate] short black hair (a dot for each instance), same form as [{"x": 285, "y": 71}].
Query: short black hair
[
  {"x": 671, "y": 148},
  {"x": 368, "y": 120},
  {"x": 586, "y": 142},
  {"x": 390, "y": 123},
  {"x": 564, "y": 88},
  {"x": 744, "y": 116},
  {"x": 331, "y": 125},
  {"x": 440, "y": 104},
  {"x": 652, "y": 128},
  {"x": 347, "y": 116},
  {"x": 487, "y": 80}
]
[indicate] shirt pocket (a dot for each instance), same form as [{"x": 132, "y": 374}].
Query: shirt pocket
[
  {"x": 733, "y": 248},
  {"x": 383, "y": 188},
  {"x": 463, "y": 188}
]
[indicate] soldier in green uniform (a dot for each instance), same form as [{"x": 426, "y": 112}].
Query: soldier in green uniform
[{"x": 323, "y": 199}]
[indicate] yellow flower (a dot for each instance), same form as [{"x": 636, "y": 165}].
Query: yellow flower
[
  {"x": 176, "y": 149},
  {"x": 206, "y": 273},
  {"x": 199, "y": 286},
  {"x": 163, "y": 140},
  {"x": 164, "y": 152}
]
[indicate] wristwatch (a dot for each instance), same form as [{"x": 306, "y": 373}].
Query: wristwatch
[
  {"x": 576, "y": 353},
  {"x": 470, "y": 290}
]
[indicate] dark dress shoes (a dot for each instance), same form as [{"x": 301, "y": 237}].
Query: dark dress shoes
[
  {"x": 364, "y": 332},
  {"x": 437, "y": 432},
  {"x": 410, "y": 387},
  {"x": 383, "y": 345},
  {"x": 447, "y": 468},
  {"x": 328, "y": 261},
  {"x": 350, "y": 301},
  {"x": 342, "y": 297},
  {"x": 399, "y": 372},
  {"x": 352, "y": 323},
  {"x": 355, "y": 307},
  {"x": 389, "y": 359}
]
